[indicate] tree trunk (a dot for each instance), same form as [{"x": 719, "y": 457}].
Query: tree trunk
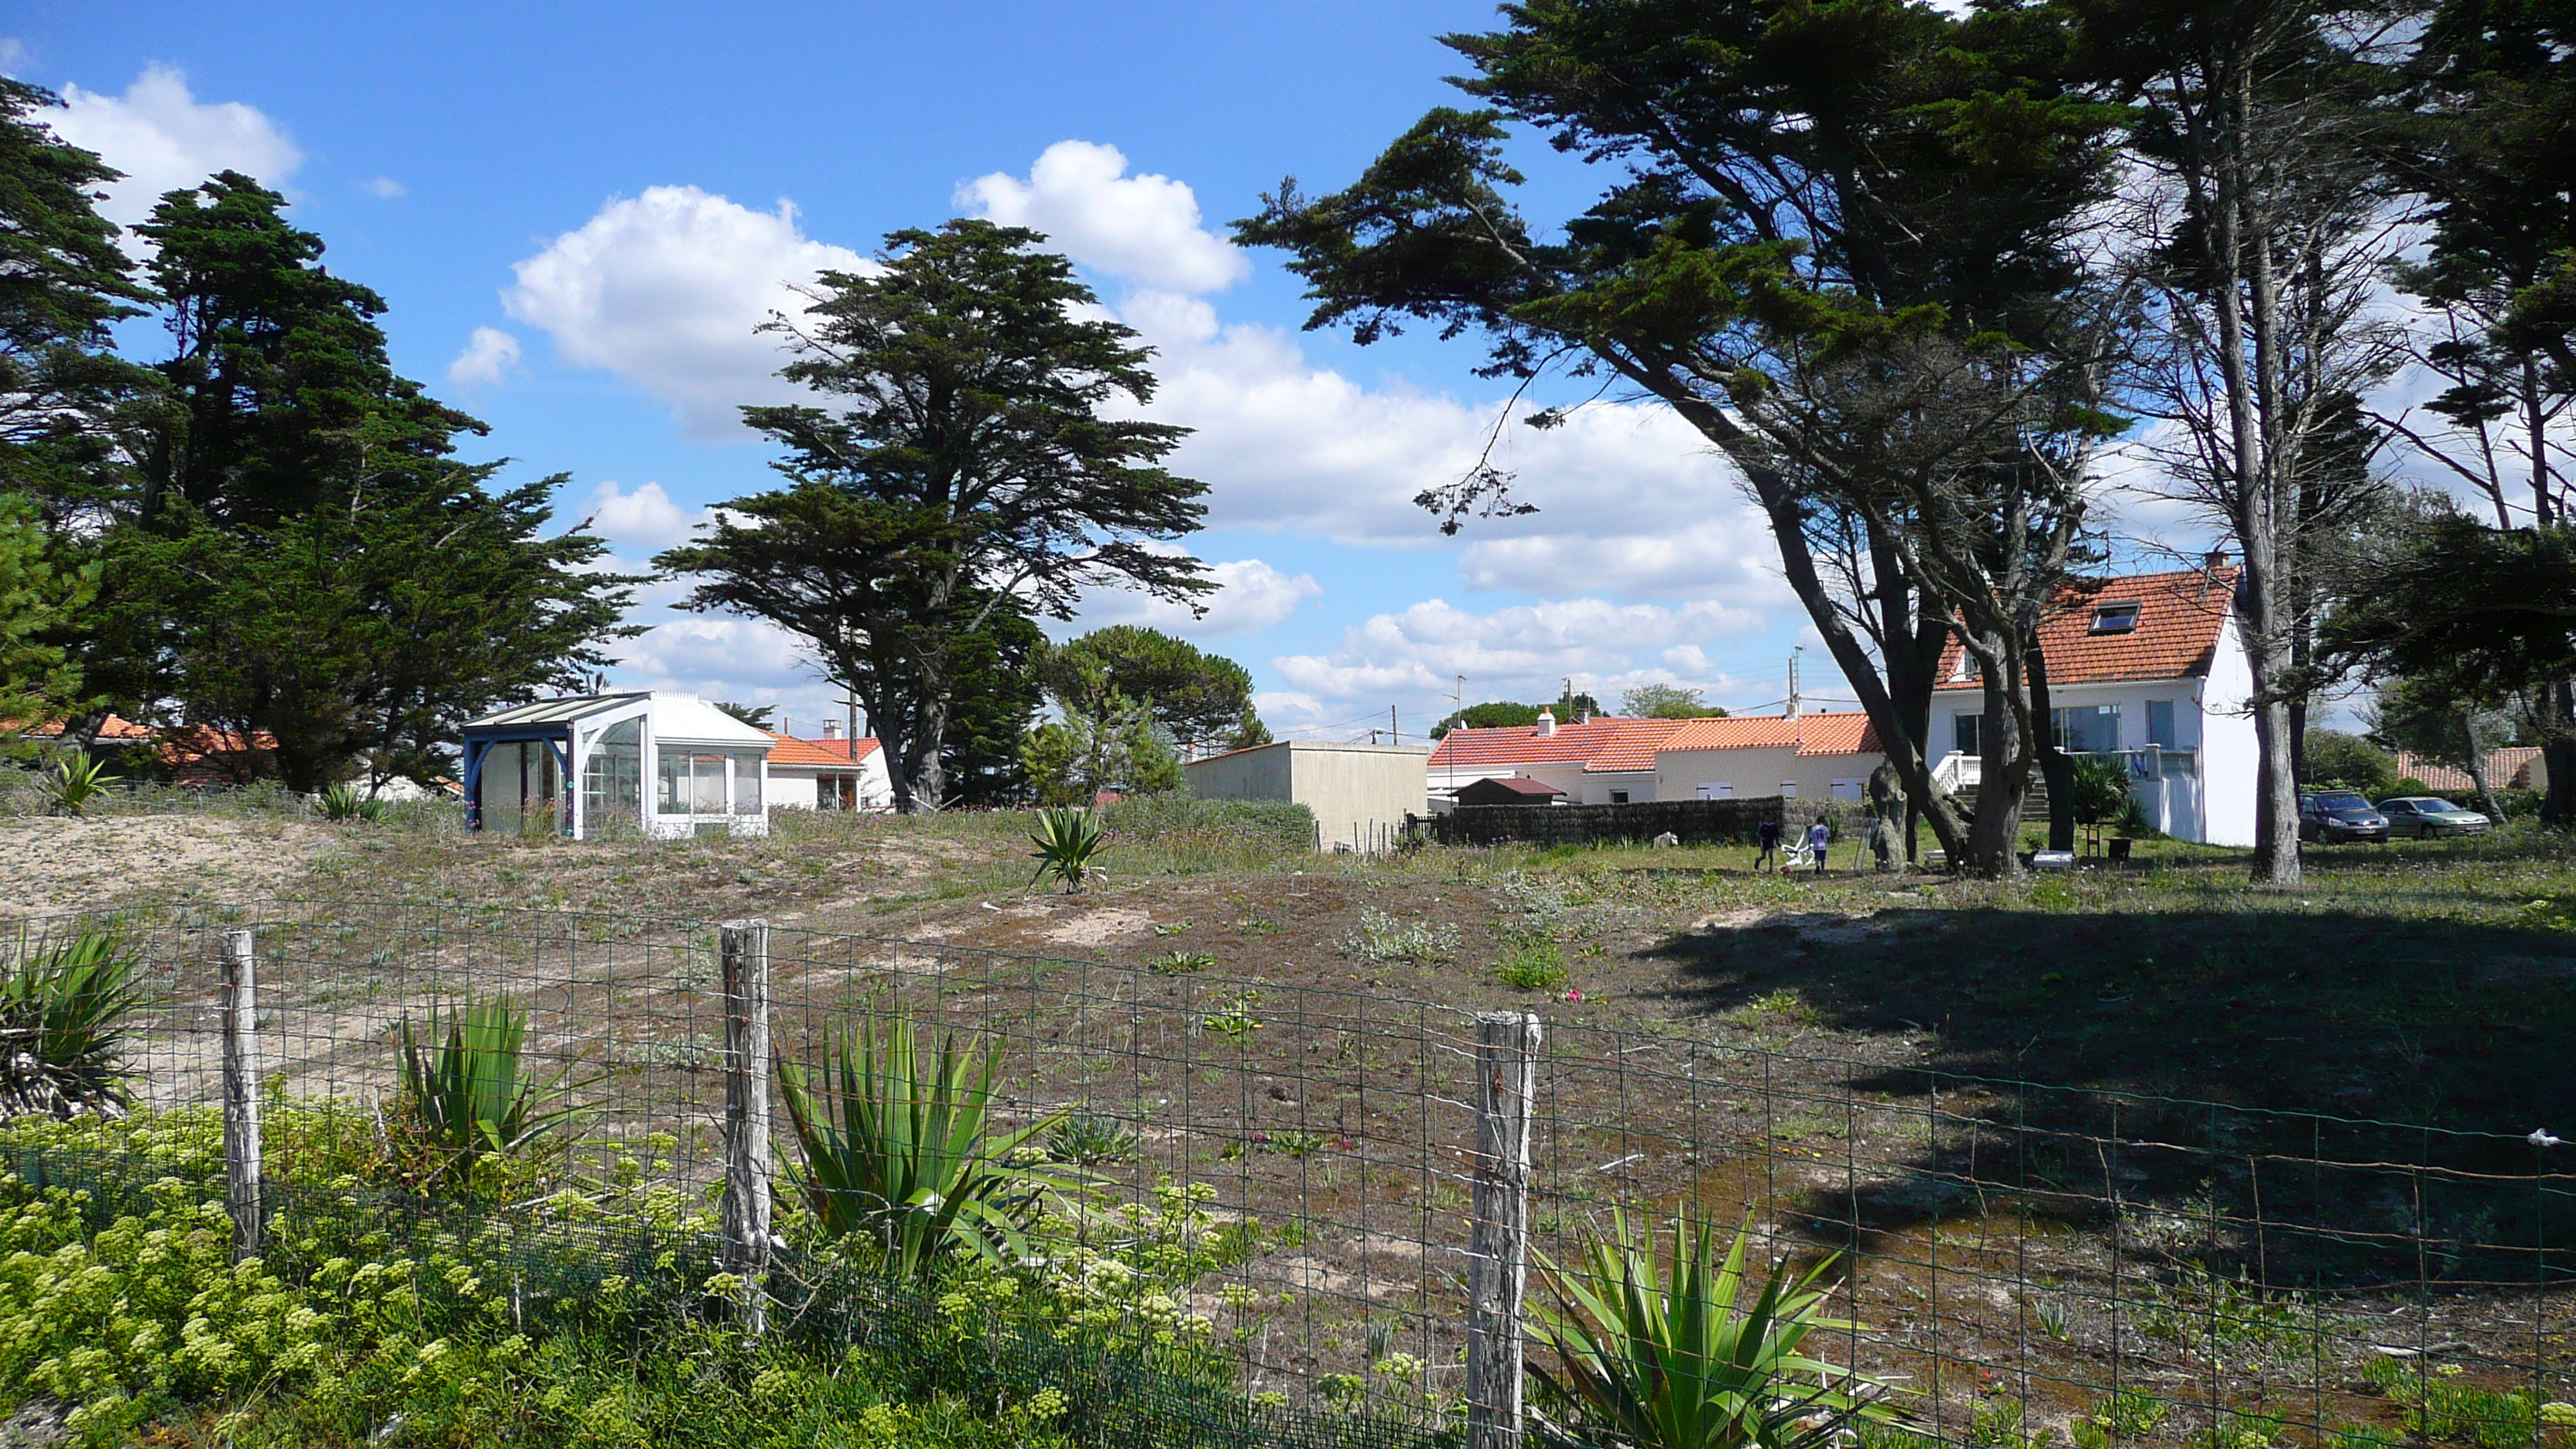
[
  {"x": 2474, "y": 750},
  {"x": 2558, "y": 754},
  {"x": 2004, "y": 760},
  {"x": 2055, "y": 766}
]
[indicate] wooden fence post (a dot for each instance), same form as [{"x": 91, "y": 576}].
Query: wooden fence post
[
  {"x": 1507, "y": 1049},
  {"x": 241, "y": 1091},
  {"x": 744, "y": 947}
]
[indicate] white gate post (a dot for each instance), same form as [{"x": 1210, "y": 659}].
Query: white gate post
[{"x": 1507, "y": 1050}]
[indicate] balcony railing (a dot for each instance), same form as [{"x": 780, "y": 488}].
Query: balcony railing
[{"x": 1958, "y": 770}]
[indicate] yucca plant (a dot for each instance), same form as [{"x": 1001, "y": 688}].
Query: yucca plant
[
  {"x": 1068, "y": 839},
  {"x": 345, "y": 802},
  {"x": 73, "y": 781},
  {"x": 900, "y": 1148},
  {"x": 470, "y": 1092},
  {"x": 62, "y": 1029},
  {"x": 1667, "y": 1353}
]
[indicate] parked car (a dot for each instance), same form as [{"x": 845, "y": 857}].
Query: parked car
[
  {"x": 2429, "y": 817},
  {"x": 2335, "y": 816}
]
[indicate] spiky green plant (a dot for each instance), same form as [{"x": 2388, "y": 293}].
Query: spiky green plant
[
  {"x": 345, "y": 802},
  {"x": 63, "y": 1013},
  {"x": 73, "y": 781},
  {"x": 901, "y": 1148},
  {"x": 1667, "y": 1353},
  {"x": 1068, "y": 839},
  {"x": 470, "y": 1091}
]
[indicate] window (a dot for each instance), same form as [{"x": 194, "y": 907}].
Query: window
[
  {"x": 612, "y": 776},
  {"x": 2160, "y": 725},
  {"x": 2087, "y": 729},
  {"x": 1968, "y": 668},
  {"x": 520, "y": 787},
  {"x": 746, "y": 784},
  {"x": 1847, "y": 789},
  {"x": 1963, "y": 731},
  {"x": 2121, "y": 618},
  {"x": 1618, "y": 797},
  {"x": 1788, "y": 789},
  {"x": 1717, "y": 789},
  {"x": 691, "y": 784}
]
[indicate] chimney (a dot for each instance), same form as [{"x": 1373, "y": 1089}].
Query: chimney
[
  {"x": 831, "y": 729},
  {"x": 1546, "y": 723},
  {"x": 2217, "y": 559}
]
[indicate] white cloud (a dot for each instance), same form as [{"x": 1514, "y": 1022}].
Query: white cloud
[
  {"x": 13, "y": 54},
  {"x": 1513, "y": 651},
  {"x": 488, "y": 357},
  {"x": 645, "y": 518},
  {"x": 384, "y": 186},
  {"x": 1250, "y": 595},
  {"x": 1142, "y": 229},
  {"x": 164, "y": 140},
  {"x": 665, "y": 289}
]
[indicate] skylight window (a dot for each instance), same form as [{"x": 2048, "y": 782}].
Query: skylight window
[{"x": 2115, "y": 619}]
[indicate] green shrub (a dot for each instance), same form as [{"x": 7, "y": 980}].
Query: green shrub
[
  {"x": 470, "y": 1096},
  {"x": 1177, "y": 818},
  {"x": 73, "y": 782},
  {"x": 1381, "y": 937},
  {"x": 901, "y": 1150},
  {"x": 1533, "y": 963},
  {"x": 63, "y": 1012},
  {"x": 346, "y": 802},
  {"x": 1666, "y": 1353},
  {"x": 1068, "y": 839},
  {"x": 1180, "y": 963}
]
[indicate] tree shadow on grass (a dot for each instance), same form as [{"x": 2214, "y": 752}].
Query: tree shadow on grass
[{"x": 2318, "y": 1097}]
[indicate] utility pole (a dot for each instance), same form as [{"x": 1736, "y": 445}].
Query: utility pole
[
  {"x": 1794, "y": 651},
  {"x": 1393, "y": 732}
]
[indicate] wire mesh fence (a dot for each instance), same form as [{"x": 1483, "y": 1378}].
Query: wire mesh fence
[{"x": 1283, "y": 1181}]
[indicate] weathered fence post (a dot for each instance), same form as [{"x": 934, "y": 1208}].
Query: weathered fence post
[
  {"x": 744, "y": 946},
  {"x": 1507, "y": 1044},
  {"x": 241, "y": 1091}
]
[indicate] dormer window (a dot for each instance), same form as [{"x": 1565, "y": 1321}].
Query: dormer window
[
  {"x": 2116, "y": 618},
  {"x": 1969, "y": 669}
]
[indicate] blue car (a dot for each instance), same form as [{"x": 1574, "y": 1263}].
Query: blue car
[{"x": 2334, "y": 816}]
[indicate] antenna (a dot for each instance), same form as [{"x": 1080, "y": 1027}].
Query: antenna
[
  {"x": 1394, "y": 733},
  {"x": 1794, "y": 651}
]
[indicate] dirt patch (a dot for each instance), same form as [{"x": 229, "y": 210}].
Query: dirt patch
[
  {"x": 55, "y": 866},
  {"x": 1093, "y": 928}
]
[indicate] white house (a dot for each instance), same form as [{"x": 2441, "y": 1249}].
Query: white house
[
  {"x": 2146, "y": 669},
  {"x": 1821, "y": 756},
  {"x": 832, "y": 773},
  {"x": 709, "y": 770},
  {"x": 1597, "y": 761}
]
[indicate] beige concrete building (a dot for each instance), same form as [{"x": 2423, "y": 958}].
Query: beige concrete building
[{"x": 1360, "y": 794}]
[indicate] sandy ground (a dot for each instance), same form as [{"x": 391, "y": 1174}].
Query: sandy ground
[{"x": 51, "y": 866}]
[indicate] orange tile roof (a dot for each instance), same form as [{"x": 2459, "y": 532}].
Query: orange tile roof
[
  {"x": 794, "y": 752},
  {"x": 1572, "y": 744},
  {"x": 2507, "y": 768},
  {"x": 1830, "y": 732},
  {"x": 2179, "y": 617}
]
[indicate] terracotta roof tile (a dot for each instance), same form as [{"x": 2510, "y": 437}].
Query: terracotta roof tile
[
  {"x": 1831, "y": 732},
  {"x": 1572, "y": 744},
  {"x": 2508, "y": 768},
  {"x": 2179, "y": 618},
  {"x": 794, "y": 752}
]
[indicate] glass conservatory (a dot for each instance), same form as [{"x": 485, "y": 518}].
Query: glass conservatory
[{"x": 663, "y": 764}]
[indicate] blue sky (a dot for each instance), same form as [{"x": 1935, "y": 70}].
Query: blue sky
[{"x": 578, "y": 211}]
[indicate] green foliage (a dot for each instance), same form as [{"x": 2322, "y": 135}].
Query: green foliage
[
  {"x": 470, "y": 1095},
  {"x": 2123, "y": 1418},
  {"x": 1180, "y": 963},
  {"x": 1202, "y": 701},
  {"x": 1069, "y": 839},
  {"x": 72, "y": 781},
  {"x": 347, "y": 802},
  {"x": 63, "y": 1014},
  {"x": 1251, "y": 827},
  {"x": 901, "y": 1150},
  {"x": 2441, "y": 1406},
  {"x": 971, "y": 446},
  {"x": 1666, "y": 701},
  {"x": 1116, "y": 749},
  {"x": 1668, "y": 1352},
  {"x": 1533, "y": 963},
  {"x": 2101, "y": 793},
  {"x": 2336, "y": 758},
  {"x": 42, "y": 593},
  {"x": 1503, "y": 714},
  {"x": 756, "y": 716},
  {"x": 1381, "y": 937},
  {"x": 1088, "y": 1139}
]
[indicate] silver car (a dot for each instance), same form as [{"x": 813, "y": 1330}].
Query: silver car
[{"x": 2429, "y": 817}]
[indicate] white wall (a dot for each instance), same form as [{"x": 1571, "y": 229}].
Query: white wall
[
  {"x": 794, "y": 788},
  {"x": 1756, "y": 772},
  {"x": 2229, "y": 757},
  {"x": 1595, "y": 786}
]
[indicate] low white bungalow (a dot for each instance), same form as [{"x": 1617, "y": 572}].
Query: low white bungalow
[
  {"x": 832, "y": 773},
  {"x": 709, "y": 770},
  {"x": 2147, "y": 670},
  {"x": 1599, "y": 760}
]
